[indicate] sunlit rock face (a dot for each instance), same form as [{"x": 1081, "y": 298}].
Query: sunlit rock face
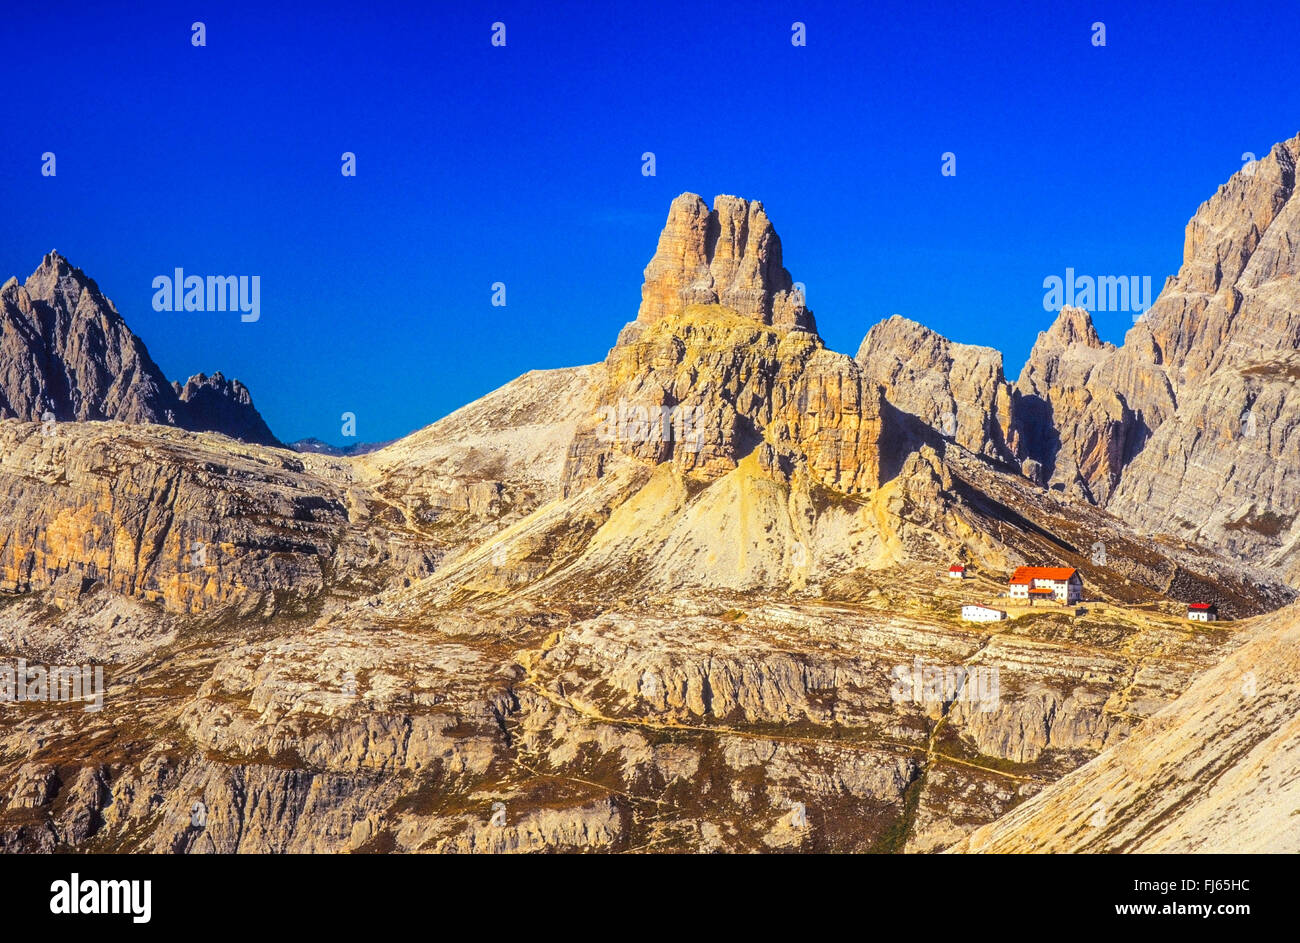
[{"x": 728, "y": 255}]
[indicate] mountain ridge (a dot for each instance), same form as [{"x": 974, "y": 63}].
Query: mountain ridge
[
  {"x": 666, "y": 601},
  {"x": 66, "y": 354}
]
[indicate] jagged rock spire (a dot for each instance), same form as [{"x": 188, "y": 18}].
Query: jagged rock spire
[{"x": 728, "y": 255}]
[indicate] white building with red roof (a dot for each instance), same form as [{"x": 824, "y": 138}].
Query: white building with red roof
[
  {"x": 956, "y": 572},
  {"x": 1061, "y": 584},
  {"x": 1202, "y": 612}
]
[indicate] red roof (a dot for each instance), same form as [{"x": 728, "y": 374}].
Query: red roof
[
  {"x": 1027, "y": 574},
  {"x": 1200, "y": 605},
  {"x": 1043, "y": 592},
  {"x": 956, "y": 568}
]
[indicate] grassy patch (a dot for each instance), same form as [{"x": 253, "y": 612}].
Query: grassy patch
[
  {"x": 893, "y": 839},
  {"x": 1268, "y": 524}
]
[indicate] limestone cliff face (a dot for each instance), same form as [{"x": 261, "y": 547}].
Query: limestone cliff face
[
  {"x": 1226, "y": 330},
  {"x": 728, "y": 255},
  {"x": 1212, "y": 772},
  {"x": 1077, "y": 429},
  {"x": 1189, "y": 427},
  {"x": 1235, "y": 297},
  {"x": 193, "y": 522},
  {"x": 66, "y": 353},
  {"x": 173, "y": 520},
  {"x": 707, "y": 386},
  {"x": 1066, "y": 421},
  {"x": 957, "y": 389},
  {"x": 1225, "y": 470}
]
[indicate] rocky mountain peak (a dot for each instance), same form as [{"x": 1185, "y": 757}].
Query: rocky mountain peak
[
  {"x": 54, "y": 264},
  {"x": 728, "y": 255},
  {"x": 65, "y": 351},
  {"x": 201, "y": 381},
  {"x": 957, "y": 389},
  {"x": 225, "y": 405},
  {"x": 60, "y": 283},
  {"x": 1072, "y": 327},
  {"x": 1235, "y": 297},
  {"x": 1184, "y": 415},
  {"x": 1066, "y": 353},
  {"x": 1227, "y": 228}
]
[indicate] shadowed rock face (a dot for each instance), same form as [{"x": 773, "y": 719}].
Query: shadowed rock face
[
  {"x": 1077, "y": 429},
  {"x": 957, "y": 389},
  {"x": 65, "y": 350},
  {"x": 66, "y": 353},
  {"x": 728, "y": 255},
  {"x": 220, "y": 405}
]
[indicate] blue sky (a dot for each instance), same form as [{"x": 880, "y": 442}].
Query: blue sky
[{"x": 522, "y": 164}]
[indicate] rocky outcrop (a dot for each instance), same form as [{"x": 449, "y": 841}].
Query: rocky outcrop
[
  {"x": 215, "y": 404},
  {"x": 957, "y": 389},
  {"x": 1227, "y": 331},
  {"x": 1235, "y": 298},
  {"x": 1077, "y": 429},
  {"x": 66, "y": 354},
  {"x": 1212, "y": 772},
  {"x": 196, "y": 523},
  {"x": 174, "y": 520},
  {"x": 1225, "y": 470},
  {"x": 724, "y": 361},
  {"x": 729, "y": 255},
  {"x": 1090, "y": 410},
  {"x": 707, "y": 386}
]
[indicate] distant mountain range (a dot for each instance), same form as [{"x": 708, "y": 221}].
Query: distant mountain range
[{"x": 324, "y": 448}]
